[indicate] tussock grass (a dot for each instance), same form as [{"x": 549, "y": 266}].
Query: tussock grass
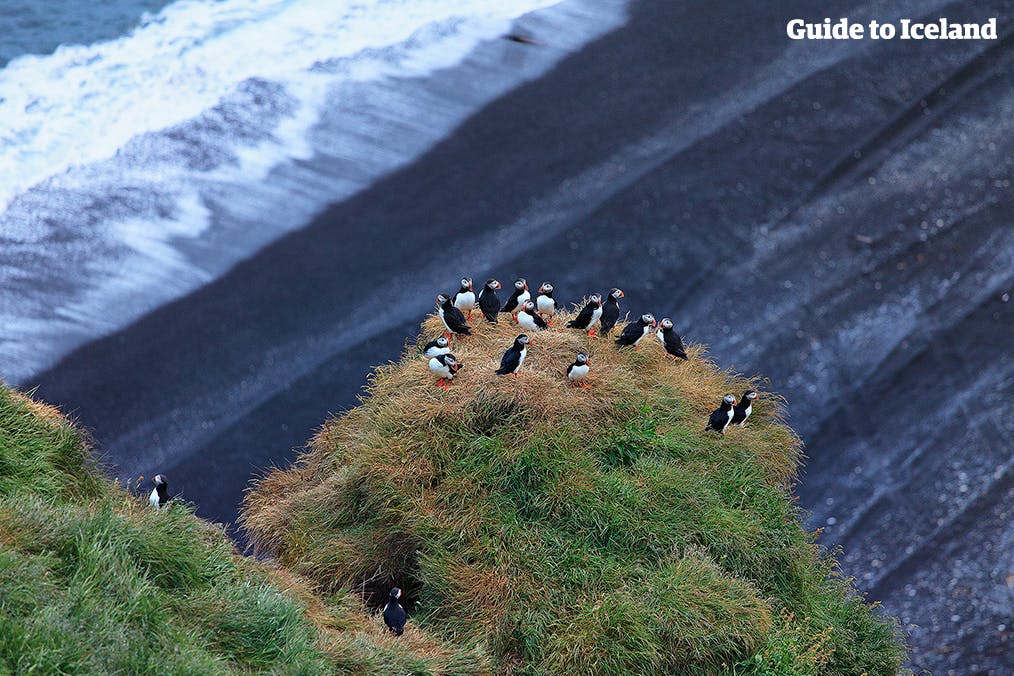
[
  {"x": 594, "y": 530},
  {"x": 92, "y": 581}
]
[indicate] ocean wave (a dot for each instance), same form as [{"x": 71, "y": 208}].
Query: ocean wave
[{"x": 135, "y": 170}]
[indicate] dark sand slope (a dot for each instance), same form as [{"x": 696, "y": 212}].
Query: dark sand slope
[{"x": 835, "y": 216}]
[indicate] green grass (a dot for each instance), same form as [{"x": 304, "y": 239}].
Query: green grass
[
  {"x": 92, "y": 581},
  {"x": 588, "y": 531}
]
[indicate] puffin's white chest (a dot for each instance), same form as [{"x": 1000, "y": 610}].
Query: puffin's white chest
[
  {"x": 521, "y": 358},
  {"x": 645, "y": 331},
  {"x": 440, "y": 369},
  {"x": 436, "y": 351},
  {"x": 746, "y": 414},
  {"x": 545, "y": 305},
  {"x": 465, "y": 301},
  {"x": 153, "y": 498},
  {"x": 596, "y": 315},
  {"x": 527, "y": 321},
  {"x": 524, "y": 297},
  {"x": 661, "y": 337},
  {"x": 578, "y": 372}
]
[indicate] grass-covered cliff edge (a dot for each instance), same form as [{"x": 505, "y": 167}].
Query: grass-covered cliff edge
[
  {"x": 536, "y": 529},
  {"x": 554, "y": 529},
  {"x": 93, "y": 581}
]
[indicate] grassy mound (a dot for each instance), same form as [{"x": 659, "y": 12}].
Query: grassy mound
[
  {"x": 592, "y": 530},
  {"x": 93, "y": 581}
]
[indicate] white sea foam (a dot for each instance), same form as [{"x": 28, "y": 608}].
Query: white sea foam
[{"x": 133, "y": 171}]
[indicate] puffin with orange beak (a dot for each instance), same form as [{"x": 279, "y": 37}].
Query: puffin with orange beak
[
  {"x": 545, "y": 303},
  {"x": 489, "y": 304},
  {"x": 445, "y": 366},
  {"x": 721, "y": 416},
  {"x": 743, "y": 409},
  {"x": 635, "y": 331},
  {"x": 464, "y": 299},
  {"x": 452, "y": 317},
  {"x": 517, "y": 300},
  {"x": 578, "y": 371},
  {"x": 588, "y": 315},
  {"x": 514, "y": 357},
  {"x": 160, "y": 494},
  {"x": 611, "y": 311},
  {"x": 670, "y": 340}
]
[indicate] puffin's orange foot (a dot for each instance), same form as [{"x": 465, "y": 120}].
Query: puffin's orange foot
[
  {"x": 516, "y": 375},
  {"x": 448, "y": 335},
  {"x": 591, "y": 333},
  {"x": 585, "y": 384},
  {"x": 549, "y": 323}
]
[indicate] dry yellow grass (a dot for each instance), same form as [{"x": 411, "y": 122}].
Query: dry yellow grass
[{"x": 525, "y": 514}]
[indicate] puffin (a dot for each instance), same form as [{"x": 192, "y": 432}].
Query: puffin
[
  {"x": 518, "y": 298},
  {"x": 394, "y": 614},
  {"x": 635, "y": 331},
  {"x": 578, "y": 371},
  {"x": 514, "y": 357},
  {"x": 464, "y": 299},
  {"x": 452, "y": 317},
  {"x": 445, "y": 366},
  {"x": 588, "y": 315},
  {"x": 611, "y": 311},
  {"x": 160, "y": 494},
  {"x": 545, "y": 303},
  {"x": 743, "y": 409},
  {"x": 722, "y": 415},
  {"x": 530, "y": 319},
  {"x": 442, "y": 345},
  {"x": 670, "y": 340},
  {"x": 489, "y": 304}
]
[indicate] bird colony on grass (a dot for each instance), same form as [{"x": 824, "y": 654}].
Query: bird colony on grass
[{"x": 536, "y": 316}]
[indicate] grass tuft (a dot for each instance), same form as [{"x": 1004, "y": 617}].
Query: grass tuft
[
  {"x": 93, "y": 581},
  {"x": 594, "y": 530}
]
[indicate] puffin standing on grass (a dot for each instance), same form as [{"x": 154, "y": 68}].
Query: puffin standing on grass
[
  {"x": 435, "y": 348},
  {"x": 722, "y": 416},
  {"x": 160, "y": 494},
  {"x": 445, "y": 366},
  {"x": 671, "y": 340},
  {"x": 743, "y": 409},
  {"x": 635, "y": 331},
  {"x": 588, "y": 315},
  {"x": 489, "y": 304},
  {"x": 514, "y": 357},
  {"x": 452, "y": 317},
  {"x": 394, "y": 614},
  {"x": 464, "y": 299},
  {"x": 611, "y": 311},
  {"x": 530, "y": 319},
  {"x": 578, "y": 371},
  {"x": 545, "y": 303},
  {"x": 518, "y": 298}
]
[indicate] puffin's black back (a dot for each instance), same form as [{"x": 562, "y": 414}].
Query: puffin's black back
[
  {"x": 455, "y": 319},
  {"x": 631, "y": 332},
  {"x": 510, "y": 359},
  {"x": 489, "y": 303},
  {"x": 674, "y": 344},
  {"x": 583, "y": 317},
  {"x": 394, "y": 617},
  {"x": 610, "y": 314}
]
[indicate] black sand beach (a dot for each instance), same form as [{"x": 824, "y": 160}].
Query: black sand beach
[{"x": 835, "y": 216}]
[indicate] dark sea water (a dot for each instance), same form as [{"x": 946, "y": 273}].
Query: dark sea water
[{"x": 40, "y": 26}]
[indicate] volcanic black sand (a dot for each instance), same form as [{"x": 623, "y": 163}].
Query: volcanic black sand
[{"x": 836, "y": 216}]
